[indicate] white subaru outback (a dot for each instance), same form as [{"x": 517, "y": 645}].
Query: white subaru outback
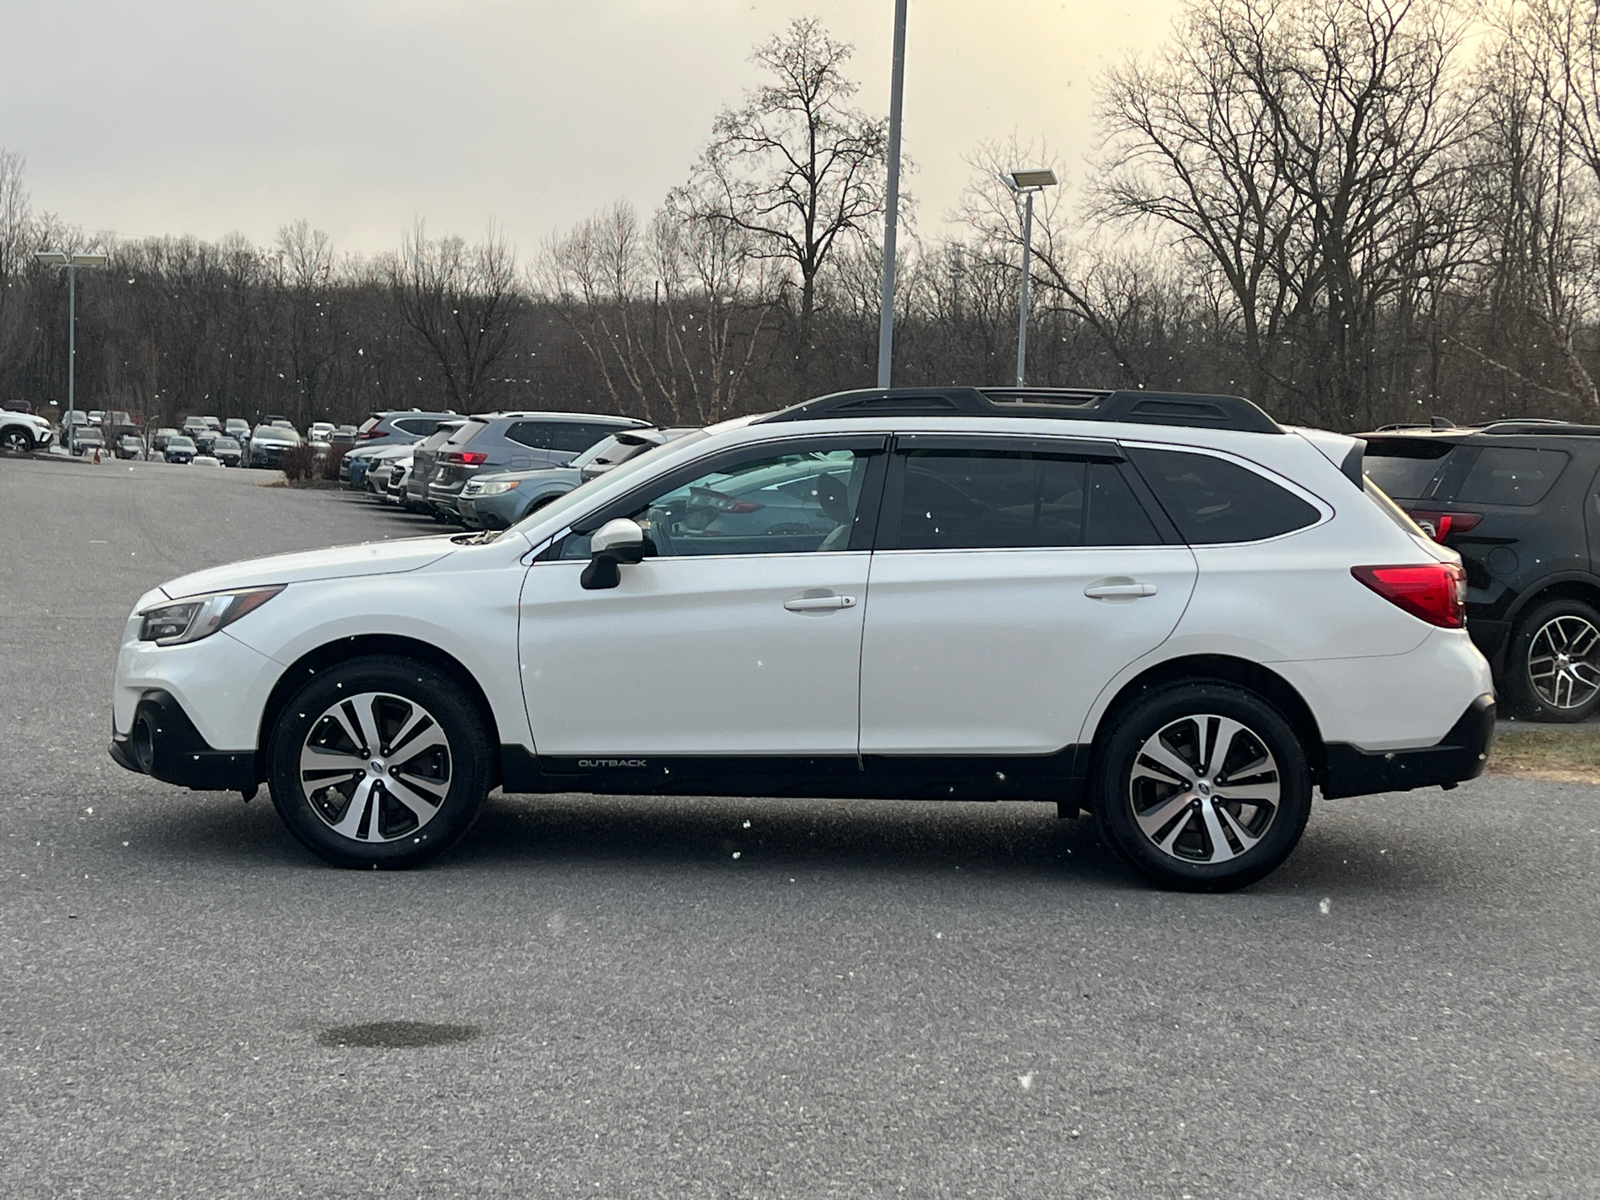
[{"x": 1164, "y": 609}]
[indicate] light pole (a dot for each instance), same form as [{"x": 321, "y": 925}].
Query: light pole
[
  {"x": 72, "y": 262},
  {"x": 1026, "y": 183},
  {"x": 897, "y": 87}
]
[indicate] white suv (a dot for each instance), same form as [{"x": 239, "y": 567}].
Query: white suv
[{"x": 1164, "y": 609}]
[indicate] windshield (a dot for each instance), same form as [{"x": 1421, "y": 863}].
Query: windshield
[
  {"x": 275, "y": 433},
  {"x": 180, "y": 443},
  {"x": 224, "y": 444},
  {"x": 1404, "y": 466},
  {"x": 579, "y": 496}
]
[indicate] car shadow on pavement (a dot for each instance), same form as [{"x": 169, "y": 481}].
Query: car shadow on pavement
[{"x": 1023, "y": 840}]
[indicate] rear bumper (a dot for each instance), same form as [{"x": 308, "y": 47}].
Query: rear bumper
[
  {"x": 164, "y": 744},
  {"x": 1460, "y": 755}
]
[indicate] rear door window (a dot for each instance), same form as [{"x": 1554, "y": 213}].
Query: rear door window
[
  {"x": 1404, "y": 467},
  {"x": 1214, "y": 501},
  {"x": 996, "y": 499},
  {"x": 1511, "y": 475},
  {"x": 566, "y": 436}
]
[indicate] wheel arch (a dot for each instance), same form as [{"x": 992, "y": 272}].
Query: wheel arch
[
  {"x": 1217, "y": 668},
  {"x": 1569, "y": 586},
  {"x": 331, "y": 654}
]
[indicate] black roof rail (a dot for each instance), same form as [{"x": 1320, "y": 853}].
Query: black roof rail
[
  {"x": 1074, "y": 404},
  {"x": 1538, "y": 425}
]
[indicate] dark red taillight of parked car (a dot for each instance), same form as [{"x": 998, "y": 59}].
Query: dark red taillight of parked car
[{"x": 1436, "y": 592}]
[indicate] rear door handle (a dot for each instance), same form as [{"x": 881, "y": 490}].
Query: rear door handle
[
  {"x": 1118, "y": 589},
  {"x": 819, "y": 603}
]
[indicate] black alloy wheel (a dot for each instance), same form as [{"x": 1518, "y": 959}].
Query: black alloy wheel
[
  {"x": 17, "y": 440},
  {"x": 379, "y": 762},
  {"x": 1201, "y": 787}
]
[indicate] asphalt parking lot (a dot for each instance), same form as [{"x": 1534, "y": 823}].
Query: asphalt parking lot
[{"x": 728, "y": 998}]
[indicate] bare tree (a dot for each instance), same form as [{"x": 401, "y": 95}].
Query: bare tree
[
  {"x": 460, "y": 301},
  {"x": 796, "y": 166},
  {"x": 1305, "y": 153}
]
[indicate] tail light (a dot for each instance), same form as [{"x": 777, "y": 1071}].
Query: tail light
[
  {"x": 364, "y": 434},
  {"x": 466, "y": 458},
  {"x": 1435, "y": 592},
  {"x": 1440, "y": 525}
]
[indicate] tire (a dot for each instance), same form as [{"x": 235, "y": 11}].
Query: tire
[
  {"x": 1542, "y": 685},
  {"x": 396, "y": 824},
  {"x": 1169, "y": 830},
  {"x": 17, "y": 440}
]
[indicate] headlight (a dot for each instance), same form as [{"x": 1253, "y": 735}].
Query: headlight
[
  {"x": 200, "y": 616},
  {"x": 495, "y": 489}
]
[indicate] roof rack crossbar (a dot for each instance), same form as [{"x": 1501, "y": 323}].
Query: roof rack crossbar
[{"x": 1194, "y": 410}]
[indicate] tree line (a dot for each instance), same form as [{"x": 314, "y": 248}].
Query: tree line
[{"x": 1353, "y": 211}]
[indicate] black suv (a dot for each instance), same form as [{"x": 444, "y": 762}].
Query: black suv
[{"x": 1520, "y": 502}]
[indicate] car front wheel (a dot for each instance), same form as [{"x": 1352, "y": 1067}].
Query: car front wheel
[
  {"x": 18, "y": 441},
  {"x": 1202, "y": 787},
  {"x": 379, "y": 762}
]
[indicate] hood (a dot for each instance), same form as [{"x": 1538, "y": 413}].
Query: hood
[{"x": 336, "y": 562}]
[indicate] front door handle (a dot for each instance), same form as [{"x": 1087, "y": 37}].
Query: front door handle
[
  {"x": 819, "y": 603},
  {"x": 1119, "y": 589}
]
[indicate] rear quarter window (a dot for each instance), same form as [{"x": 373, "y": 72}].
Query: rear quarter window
[
  {"x": 1511, "y": 475},
  {"x": 1214, "y": 501}
]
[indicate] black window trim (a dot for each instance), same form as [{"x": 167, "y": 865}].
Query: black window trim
[{"x": 1091, "y": 450}]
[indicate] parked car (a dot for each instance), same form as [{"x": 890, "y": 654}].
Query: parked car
[
  {"x": 376, "y": 478},
  {"x": 193, "y": 427},
  {"x": 158, "y": 439},
  {"x": 205, "y": 439},
  {"x": 227, "y": 451},
  {"x": 16, "y": 406},
  {"x": 1518, "y": 500},
  {"x": 424, "y": 458},
  {"x": 394, "y": 491},
  {"x": 131, "y": 447},
  {"x": 205, "y": 460},
  {"x": 268, "y": 442},
  {"x": 383, "y": 429},
  {"x": 500, "y": 500},
  {"x": 179, "y": 449},
  {"x": 517, "y": 441},
  {"x": 23, "y": 433},
  {"x": 1165, "y": 609},
  {"x": 319, "y": 431},
  {"x": 86, "y": 439},
  {"x": 237, "y": 429}
]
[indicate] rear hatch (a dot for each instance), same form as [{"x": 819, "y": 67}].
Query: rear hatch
[
  {"x": 455, "y": 462},
  {"x": 1495, "y": 503}
]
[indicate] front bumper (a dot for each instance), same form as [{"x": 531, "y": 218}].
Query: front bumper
[
  {"x": 1460, "y": 755},
  {"x": 164, "y": 744}
]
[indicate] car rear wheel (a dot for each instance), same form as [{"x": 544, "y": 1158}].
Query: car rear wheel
[
  {"x": 379, "y": 762},
  {"x": 1202, "y": 787},
  {"x": 1553, "y": 663}
]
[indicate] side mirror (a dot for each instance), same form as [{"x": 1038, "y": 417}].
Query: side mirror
[{"x": 617, "y": 541}]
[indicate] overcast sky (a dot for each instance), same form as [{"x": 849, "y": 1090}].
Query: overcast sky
[{"x": 208, "y": 116}]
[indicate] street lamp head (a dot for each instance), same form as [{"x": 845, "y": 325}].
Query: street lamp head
[
  {"x": 60, "y": 258},
  {"x": 1027, "y": 179}
]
